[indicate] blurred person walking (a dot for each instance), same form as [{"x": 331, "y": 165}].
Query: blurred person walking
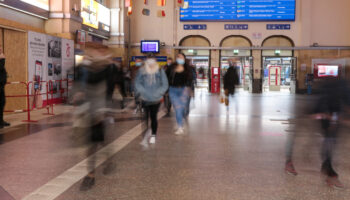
[
  {"x": 167, "y": 102},
  {"x": 151, "y": 84},
  {"x": 193, "y": 87},
  {"x": 180, "y": 81},
  {"x": 231, "y": 79},
  {"x": 134, "y": 72},
  {"x": 91, "y": 87},
  {"x": 3, "y": 81},
  {"x": 334, "y": 96}
]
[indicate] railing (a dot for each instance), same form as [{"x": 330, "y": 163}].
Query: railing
[{"x": 52, "y": 87}]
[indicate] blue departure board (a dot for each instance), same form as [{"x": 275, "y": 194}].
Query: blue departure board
[{"x": 238, "y": 10}]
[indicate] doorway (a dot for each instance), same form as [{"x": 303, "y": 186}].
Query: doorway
[
  {"x": 279, "y": 74},
  {"x": 244, "y": 69}
]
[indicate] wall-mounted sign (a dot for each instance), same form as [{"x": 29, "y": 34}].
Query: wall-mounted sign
[
  {"x": 278, "y": 26},
  {"x": 195, "y": 27},
  {"x": 236, "y": 26},
  {"x": 257, "y": 36}
]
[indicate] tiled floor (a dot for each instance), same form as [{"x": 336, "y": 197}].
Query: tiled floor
[{"x": 238, "y": 154}]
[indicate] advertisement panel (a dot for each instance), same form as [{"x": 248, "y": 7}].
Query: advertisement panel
[
  {"x": 67, "y": 61},
  {"x": 37, "y": 55},
  {"x": 96, "y": 16},
  {"x": 89, "y": 11},
  {"x": 54, "y": 64},
  {"x": 43, "y": 4}
]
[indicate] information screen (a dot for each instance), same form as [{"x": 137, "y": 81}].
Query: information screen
[
  {"x": 238, "y": 10},
  {"x": 148, "y": 46},
  {"x": 327, "y": 70}
]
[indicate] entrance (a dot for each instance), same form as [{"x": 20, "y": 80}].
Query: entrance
[
  {"x": 279, "y": 74},
  {"x": 244, "y": 70},
  {"x": 201, "y": 63}
]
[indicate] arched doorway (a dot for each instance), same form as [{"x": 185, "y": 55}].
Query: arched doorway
[
  {"x": 243, "y": 56},
  {"x": 279, "y": 65},
  {"x": 200, "y": 58}
]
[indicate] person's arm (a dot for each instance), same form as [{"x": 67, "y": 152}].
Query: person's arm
[
  {"x": 165, "y": 83},
  {"x": 3, "y": 75},
  {"x": 139, "y": 85}
]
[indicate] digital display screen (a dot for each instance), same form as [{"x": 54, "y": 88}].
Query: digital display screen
[
  {"x": 238, "y": 10},
  {"x": 327, "y": 70},
  {"x": 148, "y": 46}
]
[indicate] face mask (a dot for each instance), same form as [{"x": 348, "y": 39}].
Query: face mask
[
  {"x": 138, "y": 64},
  {"x": 169, "y": 63},
  {"x": 180, "y": 61}
]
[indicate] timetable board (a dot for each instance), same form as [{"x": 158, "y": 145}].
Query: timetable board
[{"x": 238, "y": 10}]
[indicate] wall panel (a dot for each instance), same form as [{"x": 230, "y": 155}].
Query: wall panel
[{"x": 16, "y": 66}]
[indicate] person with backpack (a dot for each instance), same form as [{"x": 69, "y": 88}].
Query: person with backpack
[
  {"x": 151, "y": 84},
  {"x": 231, "y": 79}
]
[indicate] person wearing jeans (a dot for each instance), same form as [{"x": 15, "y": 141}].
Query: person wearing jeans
[
  {"x": 151, "y": 84},
  {"x": 180, "y": 82}
]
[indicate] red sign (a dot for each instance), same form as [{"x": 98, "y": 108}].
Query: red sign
[{"x": 215, "y": 80}]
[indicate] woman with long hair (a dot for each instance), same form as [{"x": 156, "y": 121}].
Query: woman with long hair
[
  {"x": 180, "y": 82},
  {"x": 151, "y": 84}
]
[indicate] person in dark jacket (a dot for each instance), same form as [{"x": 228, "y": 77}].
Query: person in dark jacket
[
  {"x": 180, "y": 81},
  {"x": 91, "y": 88},
  {"x": 231, "y": 79},
  {"x": 3, "y": 80}
]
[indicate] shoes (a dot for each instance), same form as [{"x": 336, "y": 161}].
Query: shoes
[
  {"x": 144, "y": 141},
  {"x": 180, "y": 131},
  {"x": 289, "y": 168},
  {"x": 152, "y": 139},
  {"x": 333, "y": 181},
  {"x": 5, "y": 123},
  {"x": 87, "y": 183}
]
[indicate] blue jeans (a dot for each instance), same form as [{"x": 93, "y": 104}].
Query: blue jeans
[{"x": 179, "y": 98}]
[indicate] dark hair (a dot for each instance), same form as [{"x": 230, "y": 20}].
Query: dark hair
[{"x": 182, "y": 55}]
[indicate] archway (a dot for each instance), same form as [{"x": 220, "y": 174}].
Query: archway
[
  {"x": 279, "y": 65},
  {"x": 199, "y": 58},
  {"x": 242, "y": 54}
]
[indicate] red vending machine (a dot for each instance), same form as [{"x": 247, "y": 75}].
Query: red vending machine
[{"x": 215, "y": 80}]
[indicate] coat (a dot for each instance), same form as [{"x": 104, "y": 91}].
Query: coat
[{"x": 231, "y": 79}]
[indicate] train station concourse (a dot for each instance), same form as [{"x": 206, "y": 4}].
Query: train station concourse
[{"x": 174, "y": 99}]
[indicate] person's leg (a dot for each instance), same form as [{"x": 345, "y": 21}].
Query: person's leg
[
  {"x": 2, "y": 105},
  {"x": 175, "y": 98},
  {"x": 154, "y": 121},
  {"x": 89, "y": 180}
]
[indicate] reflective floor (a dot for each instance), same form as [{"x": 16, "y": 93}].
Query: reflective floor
[{"x": 237, "y": 153}]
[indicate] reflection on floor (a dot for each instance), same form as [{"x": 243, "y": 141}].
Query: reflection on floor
[{"x": 235, "y": 153}]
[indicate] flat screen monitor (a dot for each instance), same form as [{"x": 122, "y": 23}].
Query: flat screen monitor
[
  {"x": 238, "y": 10},
  {"x": 150, "y": 46},
  {"x": 322, "y": 70}
]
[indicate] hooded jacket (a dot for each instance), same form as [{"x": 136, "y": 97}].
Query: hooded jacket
[
  {"x": 3, "y": 73},
  {"x": 151, "y": 82}
]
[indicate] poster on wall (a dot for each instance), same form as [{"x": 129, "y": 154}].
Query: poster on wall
[
  {"x": 37, "y": 62},
  {"x": 67, "y": 61},
  {"x": 54, "y": 65}
]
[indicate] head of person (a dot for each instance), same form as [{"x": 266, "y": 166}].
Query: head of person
[
  {"x": 138, "y": 62},
  {"x": 151, "y": 66},
  {"x": 233, "y": 62},
  {"x": 181, "y": 59},
  {"x": 169, "y": 61}
]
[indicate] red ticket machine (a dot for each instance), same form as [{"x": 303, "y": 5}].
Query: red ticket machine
[{"x": 215, "y": 80}]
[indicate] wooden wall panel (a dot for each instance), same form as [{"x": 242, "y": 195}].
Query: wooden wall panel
[
  {"x": 1, "y": 37},
  {"x": 16, "y": 66}
]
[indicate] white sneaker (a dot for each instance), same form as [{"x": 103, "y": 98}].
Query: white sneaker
[
  {"x": 152, "y": 139},
  {"x": 179, "y": 131}
]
